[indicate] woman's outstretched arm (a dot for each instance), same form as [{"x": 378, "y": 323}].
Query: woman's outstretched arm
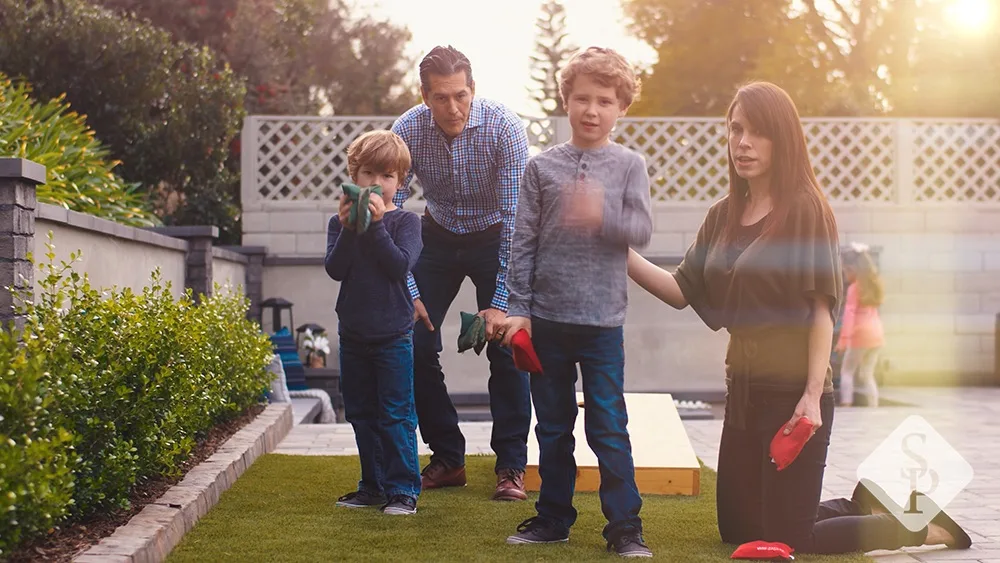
[{"x": 655, "y": 280}]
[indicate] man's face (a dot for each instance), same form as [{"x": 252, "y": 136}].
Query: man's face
[{"x": 450, "y": 100}]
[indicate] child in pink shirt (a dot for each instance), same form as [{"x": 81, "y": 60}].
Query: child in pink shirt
[{"x": 861, "y": 334}]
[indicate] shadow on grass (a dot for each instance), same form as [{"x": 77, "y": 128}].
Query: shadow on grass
[{"x": 282, "y": 509}]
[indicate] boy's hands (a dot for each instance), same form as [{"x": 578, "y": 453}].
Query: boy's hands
[
  {"x": 377, "y": 207},
  {"x": 512, "y": 326},
  {"x": 420, "y": 314},
  {"x": 584, "y": 206},
  {"x": 344, "y": 213}
]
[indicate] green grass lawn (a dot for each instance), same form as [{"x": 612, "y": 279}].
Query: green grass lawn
[{"x": 282, "y": 509}]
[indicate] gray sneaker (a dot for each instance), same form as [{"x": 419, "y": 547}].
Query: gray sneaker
[
  {"x": 400, "y": 505},
  {"x": 630, "y": 545},
  {"x": 361, "y": 499}
]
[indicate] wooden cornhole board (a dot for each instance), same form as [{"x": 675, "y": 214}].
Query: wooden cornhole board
[{"x": 665, "y": 462}]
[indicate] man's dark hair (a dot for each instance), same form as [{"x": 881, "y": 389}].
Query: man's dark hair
[{"x": 444, "y": 61}]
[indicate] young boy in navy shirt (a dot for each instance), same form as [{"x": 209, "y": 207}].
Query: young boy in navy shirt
[{"x": 375, "y": 311}]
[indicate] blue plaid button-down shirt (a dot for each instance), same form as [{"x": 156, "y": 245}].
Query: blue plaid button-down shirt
[{"x": 471, "y": 183}]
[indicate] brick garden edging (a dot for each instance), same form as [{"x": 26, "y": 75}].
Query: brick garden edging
[{"x": 152, "y": 533}]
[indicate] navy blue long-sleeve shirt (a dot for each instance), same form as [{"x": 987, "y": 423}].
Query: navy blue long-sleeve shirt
[{"x": 374, "y": 303}]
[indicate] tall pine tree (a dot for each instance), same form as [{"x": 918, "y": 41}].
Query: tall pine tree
[{"x": 551, "y": 50}]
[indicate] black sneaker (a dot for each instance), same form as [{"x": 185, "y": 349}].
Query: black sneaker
[
  {"x": 630, "y": 545},
  {"x": 400, "y": 504},
  {"x": 361, "y": 499},
  {"x": 539, "y": 530}
]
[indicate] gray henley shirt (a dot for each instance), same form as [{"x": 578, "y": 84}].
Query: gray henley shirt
[{"x": 568, "y": 273}]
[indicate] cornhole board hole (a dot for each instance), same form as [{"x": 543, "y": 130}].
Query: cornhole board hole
[{"x": 665, "y": 462}]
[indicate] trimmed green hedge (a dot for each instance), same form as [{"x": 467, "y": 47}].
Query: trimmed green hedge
[{"x": 107, "y": 389}]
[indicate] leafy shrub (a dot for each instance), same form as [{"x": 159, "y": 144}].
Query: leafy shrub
[
  {"x": 79, "y": 172},
  {"x": 36, "y": 486},
  {"x": 167, "y": 110},
  {"x": 112, "y": 388}
]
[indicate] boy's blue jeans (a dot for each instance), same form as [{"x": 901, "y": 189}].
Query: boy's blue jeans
[
  {"x": 601, "y": 355},
  {"x": 376, "y": 381}
]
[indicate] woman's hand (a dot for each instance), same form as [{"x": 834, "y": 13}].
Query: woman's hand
[{"x": 808, "y": 407}]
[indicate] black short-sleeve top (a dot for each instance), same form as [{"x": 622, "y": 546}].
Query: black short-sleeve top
[{"x": 759, "y": 287}]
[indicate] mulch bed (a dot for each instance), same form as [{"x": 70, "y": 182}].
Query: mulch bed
[{"x": 64, "y": 543}]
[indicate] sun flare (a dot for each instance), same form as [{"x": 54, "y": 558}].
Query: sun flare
[{"x": 972, "y": 15}]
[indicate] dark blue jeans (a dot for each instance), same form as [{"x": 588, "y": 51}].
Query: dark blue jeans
[
  {"x": 376, "y": 381},
  {"x": 755, "y": 501},
  {"x": 446, "y": 260},
  {"x": 601, "y": 355}
]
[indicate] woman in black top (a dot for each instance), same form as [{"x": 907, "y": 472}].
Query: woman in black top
[{"x": 766, "y": 267}]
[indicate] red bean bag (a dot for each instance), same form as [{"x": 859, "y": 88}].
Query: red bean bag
[
  {"x": 763, "y": 550},
  {"x": 784, "y": 449},
  {"x": 525, "y": 358}
]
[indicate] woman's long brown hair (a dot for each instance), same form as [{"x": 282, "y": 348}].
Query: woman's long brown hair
[{"x": 772, "y": 113}]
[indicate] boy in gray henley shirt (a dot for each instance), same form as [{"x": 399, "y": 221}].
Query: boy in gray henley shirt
[{"x": 582, "y": 205}]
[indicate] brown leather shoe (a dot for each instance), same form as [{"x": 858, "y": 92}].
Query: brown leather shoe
[
  {"x": 510, "y": 485},
  {"x": 437, "y": 475}
]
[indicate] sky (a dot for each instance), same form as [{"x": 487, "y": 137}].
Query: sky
[{"x": 500, "y": 42}]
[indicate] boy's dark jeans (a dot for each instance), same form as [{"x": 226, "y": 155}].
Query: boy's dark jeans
[
  {"x": 755, "y": 501},
  {"x": 446, "y": 260},
  {"x": 601, "y": 355},
  {"x": 377, "y": 384}
]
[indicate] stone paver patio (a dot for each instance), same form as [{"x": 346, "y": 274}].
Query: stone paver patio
[{"x": 966, "y": 417}]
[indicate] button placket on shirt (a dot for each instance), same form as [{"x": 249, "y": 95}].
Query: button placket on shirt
[
  {"x": 459, "y": 177},
  {"x": 460, "y": 188}
]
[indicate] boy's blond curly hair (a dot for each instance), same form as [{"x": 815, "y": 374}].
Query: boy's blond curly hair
[
  {"x": 605, "y": 66},
  {"x": 382, "y": 151}
]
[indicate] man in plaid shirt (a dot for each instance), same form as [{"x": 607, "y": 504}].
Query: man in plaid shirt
[{"x": 469, "y": 154}]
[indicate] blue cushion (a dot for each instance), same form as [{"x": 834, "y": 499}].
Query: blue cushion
[{"x": 284, "y": 347}]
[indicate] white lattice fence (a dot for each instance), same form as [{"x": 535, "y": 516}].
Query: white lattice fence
[
  {"x": 289, "y": 158},
  {"x": 686, "y": 159},
  {"x": 541, "y": 133},
  {"x": 303, "y": 159},
  {"x": 957, "y": 161},
  {"x": 300, "y": 158},
  {"x": 854, "y": 160}
]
